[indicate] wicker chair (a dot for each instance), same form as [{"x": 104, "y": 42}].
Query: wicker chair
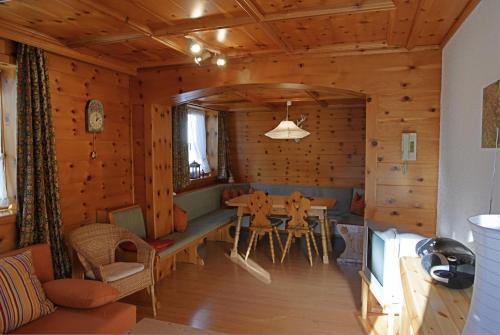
[{"x": 95, "y": 245}]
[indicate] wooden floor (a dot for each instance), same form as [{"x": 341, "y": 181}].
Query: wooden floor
[{"x": 221, "y": 296}]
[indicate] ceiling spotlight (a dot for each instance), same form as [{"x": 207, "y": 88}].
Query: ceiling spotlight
[
  {"x": 220, "y": 61},
  {"x": 198, "y": 60},
  {"x": 195, "y": 48}
]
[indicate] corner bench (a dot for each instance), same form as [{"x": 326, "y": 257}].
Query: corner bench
[{"x": 206, "y": 220}]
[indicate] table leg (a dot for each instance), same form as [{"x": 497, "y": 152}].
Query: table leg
[
  {"x": 234, "y": 251},
  {"x": 323, "y": 238},
  {"x": 328, "y": 226}
]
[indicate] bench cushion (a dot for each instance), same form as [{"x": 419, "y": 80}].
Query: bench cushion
[{"x": 198, "y": 228}]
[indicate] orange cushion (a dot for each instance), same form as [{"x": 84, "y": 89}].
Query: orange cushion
[
  {"x": 79, "y": 293},
  {"x": 358, "y": 204},
  {"x": 180, "y": 219}
]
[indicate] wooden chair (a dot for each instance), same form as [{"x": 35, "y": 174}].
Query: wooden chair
[
  {"x": 261, "y": 223},
  {"x": 298, "y": 224},
  {"x": 96, "y": 244}
]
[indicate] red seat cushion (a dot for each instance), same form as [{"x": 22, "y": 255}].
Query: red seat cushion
[{"x": 158, "y": 245}]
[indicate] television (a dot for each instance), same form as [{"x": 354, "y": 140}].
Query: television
[{"x": 384, "y": 245}]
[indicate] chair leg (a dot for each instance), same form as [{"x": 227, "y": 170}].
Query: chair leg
[
  {"x": 275, "y": 229},
  {"x": 271, "y": 245},
  {"x": 309, "y": 253},
  {"x": 287, "y": 246},
  {"x": 252, "y": 237},
  {"x": 255, "y": 242},
  {"x": 153, "y": 299},
  {"x": 315, "y": 245}
]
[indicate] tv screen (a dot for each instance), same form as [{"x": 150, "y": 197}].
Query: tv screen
[{"x": 375, "y": 256}]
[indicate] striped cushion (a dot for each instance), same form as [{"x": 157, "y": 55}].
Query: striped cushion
[{"x": 21, "y": 295}]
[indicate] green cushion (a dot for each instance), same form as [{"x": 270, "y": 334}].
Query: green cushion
[
  {"x": 197, "y": 228},
  {"x": 131, "y": 219}
]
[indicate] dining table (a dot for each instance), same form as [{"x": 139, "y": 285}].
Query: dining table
[{"x": 319, "y": 208}]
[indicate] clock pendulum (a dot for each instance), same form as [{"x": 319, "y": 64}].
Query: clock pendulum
[{"x": 93, "y": 154}]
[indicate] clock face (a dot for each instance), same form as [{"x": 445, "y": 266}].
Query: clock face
[{"x": 95, "y": 116}]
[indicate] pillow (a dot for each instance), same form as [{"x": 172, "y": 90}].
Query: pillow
[
  {"x": 180, "y": 219},
  {"x": 358, "y": 204},
  {"x": 22, "y": 299},
  {"x": 226, "y": 195},
  {"x": 79, "y": 293}
]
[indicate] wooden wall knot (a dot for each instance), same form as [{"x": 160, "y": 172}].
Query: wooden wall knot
[
  {"x": 374, "y": 143},
  {"x": 394, "y": 213}
]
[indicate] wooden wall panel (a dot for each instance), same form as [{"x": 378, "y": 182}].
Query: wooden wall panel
[
  {"x": 403, "y": 94},
  {"x": 87, "y": 185},
  {"x": 333, "y": 155},
  {"x": 159, "y": 188},
  {"x": 139, "y": 158}
]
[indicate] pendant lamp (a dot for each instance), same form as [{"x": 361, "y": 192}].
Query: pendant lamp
[{"x": 287, "y": 130}]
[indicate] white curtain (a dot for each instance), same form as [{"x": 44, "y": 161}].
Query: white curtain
[
  {"x": 4, "y": 198},
  {"x": 197, "y": 139}
]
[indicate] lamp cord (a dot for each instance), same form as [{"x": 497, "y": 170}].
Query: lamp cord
[{"x": 492, "y": 189}]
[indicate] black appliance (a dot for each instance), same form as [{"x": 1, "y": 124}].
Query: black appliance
[{"x": 448, "y": 261}]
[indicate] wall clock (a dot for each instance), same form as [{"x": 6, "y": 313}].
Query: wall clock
[{"x": 94, "y": 121}]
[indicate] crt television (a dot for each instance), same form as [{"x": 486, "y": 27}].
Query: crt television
[{"x": 383, "y": 247}]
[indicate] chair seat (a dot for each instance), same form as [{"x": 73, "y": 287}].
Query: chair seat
[{"x": 118, "y": 270}]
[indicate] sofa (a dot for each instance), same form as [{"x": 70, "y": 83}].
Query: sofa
[{"x": 112, "y": 318}]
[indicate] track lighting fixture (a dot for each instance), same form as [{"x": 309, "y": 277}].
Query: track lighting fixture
[{"x": 195, "y": 48}]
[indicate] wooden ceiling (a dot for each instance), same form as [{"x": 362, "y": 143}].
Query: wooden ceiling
[
  {"x": 269, "y": 97},
  {"x": 149, "y": 33}
]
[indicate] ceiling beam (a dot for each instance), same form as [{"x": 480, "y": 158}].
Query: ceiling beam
[
  {"x": 315, "y": 96},
  {"x": 423, "y": 8},
  {"x": 342, "y": 9},
  {"x": 459, "y": 20},
  {"x": 105, "y": 39},
  {"x": 254, "y": 12},
  {"x": 254, "y": 100},
  {"x": 133, "y": 25},
  {"x": 21, "y": 34}
]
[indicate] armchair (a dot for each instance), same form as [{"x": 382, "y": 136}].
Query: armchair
[{"x": 95, "y": 245}]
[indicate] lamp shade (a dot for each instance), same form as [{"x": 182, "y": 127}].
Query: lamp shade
[{"x": 287, "y": 130}]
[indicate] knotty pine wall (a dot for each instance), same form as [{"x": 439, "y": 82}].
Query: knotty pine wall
[
  {"x": 333, "y": 155},
  {"x": 403, "y": 94},
  {"x": 87, "y": 185}
]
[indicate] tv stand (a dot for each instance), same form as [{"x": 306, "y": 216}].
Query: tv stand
[{"x": 376, "y": 319}]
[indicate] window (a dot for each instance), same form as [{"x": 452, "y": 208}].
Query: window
[
  {"x": 8, "y": 121},
  {"x": 197, "y": 139}
]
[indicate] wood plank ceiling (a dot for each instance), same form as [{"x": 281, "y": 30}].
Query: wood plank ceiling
[
  {"x": 271, "y": 97},
  {"x": 149, "y": 33}
]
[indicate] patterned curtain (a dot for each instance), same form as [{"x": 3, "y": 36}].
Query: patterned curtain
[
  {"x": 223, "y": 164},
  {"x": 180, "y": 149},
  {"x": 39, "y": 214}
]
